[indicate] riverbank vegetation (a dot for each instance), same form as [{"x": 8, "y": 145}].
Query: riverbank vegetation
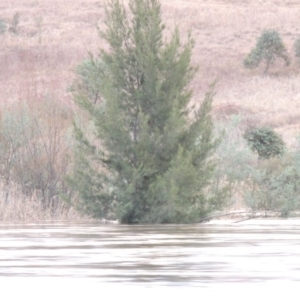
[{"x": 44, "y": 57}]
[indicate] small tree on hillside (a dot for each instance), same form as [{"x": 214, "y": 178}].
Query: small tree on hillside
[
  {"x": 149, "y": 158},
  {"x": 297, "y": 47},
  {"x": 14, "y": 25},
  {"x": 265, "y": 142},
  {"x": 268, "y": 48}
]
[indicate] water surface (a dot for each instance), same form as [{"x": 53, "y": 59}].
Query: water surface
[{"x": 210, "y": 257}]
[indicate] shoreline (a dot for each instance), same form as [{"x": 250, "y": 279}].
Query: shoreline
[
  {"x": 256, "y": 221},
  {"x": 236, "y": 221}
]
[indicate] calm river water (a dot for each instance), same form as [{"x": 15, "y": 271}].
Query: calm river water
[{"x": 249, "y": 257}]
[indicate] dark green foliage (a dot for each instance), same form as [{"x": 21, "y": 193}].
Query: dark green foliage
[
  {"x": 2, "y": 26},
  {"x": 265, "y": 142},
  {"x": 297, "y": 47},
  {"x": 147, "y": 157},
  {"x": 268, "y": 48},
  {"x": 268, "y": 187}
]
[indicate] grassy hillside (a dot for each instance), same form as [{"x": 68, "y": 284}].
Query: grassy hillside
[{"x": 56, "y": 35}]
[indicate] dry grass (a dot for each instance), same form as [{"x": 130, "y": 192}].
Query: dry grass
[
  {"x": 55, "y": 35},
  {"x": 19, "y": 208}
]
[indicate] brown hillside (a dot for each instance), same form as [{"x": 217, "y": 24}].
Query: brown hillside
[{"x": 55, "y": 35}]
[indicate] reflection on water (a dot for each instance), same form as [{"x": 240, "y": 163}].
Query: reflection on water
[{"x": 153, "y": 256}]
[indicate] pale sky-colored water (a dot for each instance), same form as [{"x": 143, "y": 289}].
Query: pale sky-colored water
[{"x": 90, "y": 261}]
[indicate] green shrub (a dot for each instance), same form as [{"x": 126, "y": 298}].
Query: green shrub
[
  {"x": 265, "y": 142},
  {"x": 270, "y": 186},
  {"x": 2, "y": 26},
  {"x": 297, "y": 47},
  {"x": 274, "y": 186},
  {"x": 268, "y": 48}
]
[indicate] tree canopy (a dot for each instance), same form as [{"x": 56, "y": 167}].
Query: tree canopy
[
  {"x": 265, "y": 141},
  {"x": 268, "y": 48}
]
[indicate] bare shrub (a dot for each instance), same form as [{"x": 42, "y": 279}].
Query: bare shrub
[
  {"x": 34, "y": 151},
  {"x": 21, "y": 208}
]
